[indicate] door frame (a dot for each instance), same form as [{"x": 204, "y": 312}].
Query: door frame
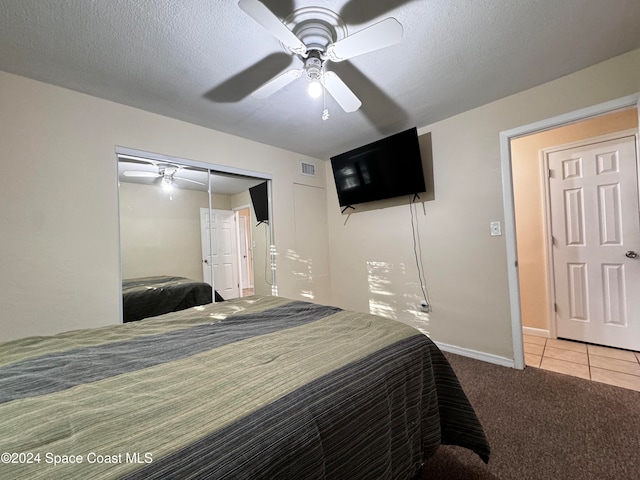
[{"x": 505, "y": 138}]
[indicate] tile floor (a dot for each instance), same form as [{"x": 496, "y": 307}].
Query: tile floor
[{"x": 592, "y": 362}]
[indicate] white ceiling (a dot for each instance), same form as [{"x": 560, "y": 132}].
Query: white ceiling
[{"x": 198, "y": 60}]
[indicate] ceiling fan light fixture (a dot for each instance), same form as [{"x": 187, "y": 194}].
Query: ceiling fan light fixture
[
  {"x": 313, "y": 73},
  {"x": 167, "y": 183},
  {"x": 314, "y": 89}
]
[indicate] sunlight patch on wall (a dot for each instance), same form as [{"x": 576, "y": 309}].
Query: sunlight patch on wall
[
  {"x": 382, "y": 301},
  {"x": 303, "y": 271},
  {"x": 272, "y": 255},
  {"x": 394, "y": 294}
]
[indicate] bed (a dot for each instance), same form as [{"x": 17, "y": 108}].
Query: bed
[
  {"x": 146, "y": 297},
  {"x": 253, "y": 388}
]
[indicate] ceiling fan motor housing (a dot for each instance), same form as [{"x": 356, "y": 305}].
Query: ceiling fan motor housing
[
  {"x": 167, "y": 170},
  {"x": 317, "y": 27},
  {"x": 313, "y": 66}
]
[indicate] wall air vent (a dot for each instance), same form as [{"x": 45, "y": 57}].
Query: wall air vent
[{"x": 308, "y": 169}]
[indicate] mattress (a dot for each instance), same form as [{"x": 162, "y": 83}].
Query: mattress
[{"x": 257, "y": 387}]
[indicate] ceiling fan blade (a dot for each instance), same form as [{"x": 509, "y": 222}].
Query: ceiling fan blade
[
  {"x": 133, "y": 173},
  {"x": 379, "y": 35},
  {"x": 137, "y": 159},
  {"x": 275, "y": 84},
  {"x": 342, "y": 94},
  {"x": 188, "y": 180},
  {"x": 265, "y": 17}
]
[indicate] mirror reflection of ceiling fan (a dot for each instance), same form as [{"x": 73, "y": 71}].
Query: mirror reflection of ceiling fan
[
  {"x": 167, "y": 174},
  {"x": 317, "y": 35}
]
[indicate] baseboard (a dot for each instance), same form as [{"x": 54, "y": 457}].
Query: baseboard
[
  {"x": 536, "y": 332},
  {"x": 485, "y": 357}
]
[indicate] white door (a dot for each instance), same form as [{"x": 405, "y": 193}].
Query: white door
[
  {"x": 596, "y": 233},
  {"x": 219, "y": 251}
]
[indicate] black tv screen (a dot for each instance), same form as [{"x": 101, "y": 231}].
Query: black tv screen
[
  {"x": 260, "y": 201},
  {"x": 387, "y": 168}
]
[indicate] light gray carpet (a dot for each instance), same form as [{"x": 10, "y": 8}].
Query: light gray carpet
[{"x": 544, "y": 425}]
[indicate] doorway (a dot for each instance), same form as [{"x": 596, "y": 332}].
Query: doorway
[
  {"x": 595, "y": 232},
  {"x": 519, "y": 254},
  {"x": 220, "y": 265},
  {"x": 245, "y": 250}
]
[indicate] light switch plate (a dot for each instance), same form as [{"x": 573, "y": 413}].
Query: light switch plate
[{"x": 496, "y": 229}]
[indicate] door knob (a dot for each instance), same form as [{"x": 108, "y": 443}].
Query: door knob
[{"x": 631, "y": 254}]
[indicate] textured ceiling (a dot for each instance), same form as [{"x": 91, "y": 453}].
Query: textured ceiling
[{"x": 198, "y": 61}]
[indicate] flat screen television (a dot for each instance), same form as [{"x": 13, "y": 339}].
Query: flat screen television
[
  {"x": 387, "y": 168},
  {"x": 260, "y": 201}
]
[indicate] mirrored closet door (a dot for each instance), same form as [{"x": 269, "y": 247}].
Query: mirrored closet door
[{"x": 190, "y": 235}]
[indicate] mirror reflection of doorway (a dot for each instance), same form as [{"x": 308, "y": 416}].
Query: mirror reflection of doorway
[
  {"x": 245, "y": 250},
  {"x": 220, "y": 253},
  {"x": 161, "y": 199}
]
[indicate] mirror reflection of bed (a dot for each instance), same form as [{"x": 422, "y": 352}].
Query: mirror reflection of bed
[
  {"x": 188, "y": 236},
  {"x": 151, "y": 296}
]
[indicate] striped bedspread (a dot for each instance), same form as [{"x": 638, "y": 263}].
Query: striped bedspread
[{"x": 259, "y": 387}]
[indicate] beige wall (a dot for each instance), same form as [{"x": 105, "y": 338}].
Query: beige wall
[
  {"x": 372, "y": 265},
  {"x": 59, "y": 254},
  {"x": 529, "y": 185}
]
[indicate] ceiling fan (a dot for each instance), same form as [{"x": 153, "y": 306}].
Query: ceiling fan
[
  {"x": 166, "y": 173},
  {"x": 317, "y": 35}
]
